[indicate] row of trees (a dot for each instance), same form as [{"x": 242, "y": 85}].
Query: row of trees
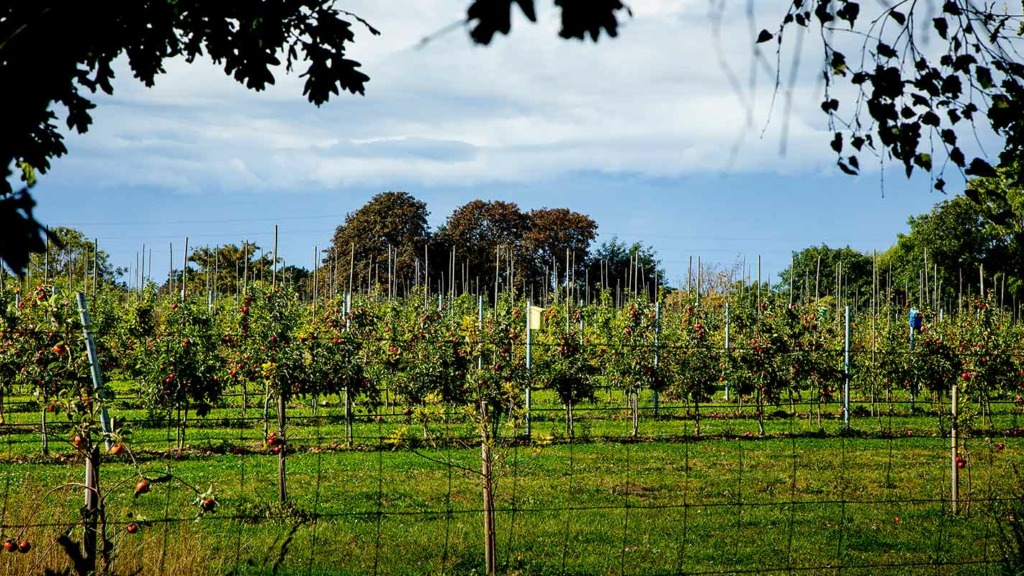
[
  {"x": 461, "y": 359},
  {"x": 430, "y": 354}
]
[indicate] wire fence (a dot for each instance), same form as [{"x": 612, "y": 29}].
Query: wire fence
[{"x": 406, "y": 496}]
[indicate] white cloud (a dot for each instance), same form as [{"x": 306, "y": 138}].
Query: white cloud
[{"x": 654, "y": 102}]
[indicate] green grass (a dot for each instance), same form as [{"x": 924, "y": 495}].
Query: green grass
[{"x": 601, "y": 505}]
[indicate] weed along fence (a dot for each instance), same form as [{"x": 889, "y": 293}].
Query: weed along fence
[{"x": 268, "y": 426}]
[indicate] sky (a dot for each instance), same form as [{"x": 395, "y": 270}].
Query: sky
[{"x": 645, "y": 133}]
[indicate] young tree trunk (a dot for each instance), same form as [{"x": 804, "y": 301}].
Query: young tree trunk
[
  {"x": 490, "y": 547},
  {"x": 635, "y": 411},
  {"x": 696, "y": 417},
  {"x": 3, "y": 420},
  {"x": 760, "y": 413},
  {"x": 818, "y": 409},
  {"x": 184, "y": 425},
  {"x": 282, "y": 488},
  {"x": 266, "y": 413},
  {"x": 92, "y": 505},
  {"x": 44, "y": 437},
  {"x": 245, "y": 399},
  {"x": 348, "y": 419}
]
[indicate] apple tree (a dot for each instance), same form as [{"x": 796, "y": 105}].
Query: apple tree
[{"x": 182, "y": 363}]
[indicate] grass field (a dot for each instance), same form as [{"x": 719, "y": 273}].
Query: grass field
[{"x": 799, "y": 500}]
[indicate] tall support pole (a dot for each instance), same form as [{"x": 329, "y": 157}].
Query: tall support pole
[
  {"x": 94, "y": 364},
  {"x": 727, "y": 346},
  {"x": 758, "y": 285},
  {"x": 657, "y": 330},
  {"x": 792, "y": 276},
  {"x": 911, "y": 352},
  {"x": 846, "y": 373},
  {"x": 274, "y": 277},
  {"x": 529, "y": 369},
  {"x": 699, "y": 271},
  {"x": 954, "y": 455},
  {"x": 184, "y": 270},
  {"x": 170, "y": 269},
  {"x": 96, "y": 260},
  {"x": 245, "y": 266}
]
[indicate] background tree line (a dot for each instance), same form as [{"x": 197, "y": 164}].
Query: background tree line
[
  {"x": 481, "y": 247},
  {"x": 388, "y": 245},
  {"x": 956, "y": 249}
]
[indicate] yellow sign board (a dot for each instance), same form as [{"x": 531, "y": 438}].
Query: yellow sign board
[{"x": 536, "y": 318}]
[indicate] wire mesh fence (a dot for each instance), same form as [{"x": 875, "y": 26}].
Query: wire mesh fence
[{"x": 405, "y": 497}]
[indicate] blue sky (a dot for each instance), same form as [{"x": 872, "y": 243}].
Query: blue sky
[{"x": 643, "y": 133}]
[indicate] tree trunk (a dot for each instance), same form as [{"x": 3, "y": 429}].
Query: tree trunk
[
  {"x": 696, "y": 416},
  {"x": 44, "y": 437},
  {"x": 92, "y": 505},
  {"x": 760, "y": 413},
  {"x": 184, "y": 425},
  {"x": 490, "y": 548},
  {"x": 818, "y": 409},
  {"x": 282, "y": 488},
  {"x": 635, "y": 412},
  {"x": 348, "y": 419},
  {"x": 266, "y": 413},
  {"x": 245, "y": 398}
]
